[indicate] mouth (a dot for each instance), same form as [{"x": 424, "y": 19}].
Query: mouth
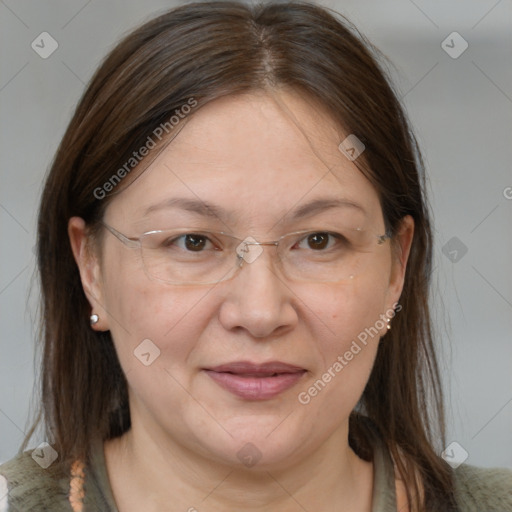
[{"x": 253, "y": 381}]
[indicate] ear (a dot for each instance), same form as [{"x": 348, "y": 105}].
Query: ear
[
  {"x": 88, "y": 264},
  {"x": 400, "y": 250}
]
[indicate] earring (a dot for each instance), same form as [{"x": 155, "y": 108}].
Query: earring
[
  {"x": 94, "y": 318},
  {"x": 388, "y": 326}
]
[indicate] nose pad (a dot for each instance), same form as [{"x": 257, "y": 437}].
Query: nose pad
[{"x": 249, "y": 250}]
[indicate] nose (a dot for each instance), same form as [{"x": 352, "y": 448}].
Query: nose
[{"x": 258, "y": 298}]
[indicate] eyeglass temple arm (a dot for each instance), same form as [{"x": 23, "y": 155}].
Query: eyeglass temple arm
[{"x": 127, "y": 241}]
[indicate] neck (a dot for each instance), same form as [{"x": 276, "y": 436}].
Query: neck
[{"x": 148, "y": 470}]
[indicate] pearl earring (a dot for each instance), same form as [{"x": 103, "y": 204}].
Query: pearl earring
[
  {"x": 94, "y": 319},
  {"x": 388, "y": 326}
]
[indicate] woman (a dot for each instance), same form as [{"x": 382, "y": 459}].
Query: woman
[{"x": 235, "y": 254}]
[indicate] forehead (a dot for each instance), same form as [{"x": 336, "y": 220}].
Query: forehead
[{"x": 257, "y": 157}]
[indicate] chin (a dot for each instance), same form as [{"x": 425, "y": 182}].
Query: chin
[{"x": 258, "y": 447}]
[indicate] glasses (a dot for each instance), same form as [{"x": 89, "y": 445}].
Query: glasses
[{"x": 184, "y": 256}]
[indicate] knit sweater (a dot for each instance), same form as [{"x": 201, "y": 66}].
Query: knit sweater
[{"x": 25, "y": 486}]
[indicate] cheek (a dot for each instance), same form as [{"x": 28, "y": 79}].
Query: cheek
[
  {"x": 348, "y": 311},
  {"x": 160, "y": 330},
  {"x": 148, "y": 317},
  {"x": 347, "y": 331}
]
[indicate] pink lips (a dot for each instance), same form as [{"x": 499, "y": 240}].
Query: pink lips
[{"x": 256, "y": 381}]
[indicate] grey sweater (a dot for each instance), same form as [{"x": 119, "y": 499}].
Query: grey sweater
[{"x": 32, "y": 488}]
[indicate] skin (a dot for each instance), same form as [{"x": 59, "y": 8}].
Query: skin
[{"x": 244, "y": 154}]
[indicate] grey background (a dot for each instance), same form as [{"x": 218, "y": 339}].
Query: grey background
[{"x": 461, "y": 110}]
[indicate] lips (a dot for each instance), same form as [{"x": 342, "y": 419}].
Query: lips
[
  {"x": 253, "y": 381},
  {"x": 253, "y": 369}
]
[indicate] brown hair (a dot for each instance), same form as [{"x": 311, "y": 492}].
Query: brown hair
[{"x": 205, "y": 51}]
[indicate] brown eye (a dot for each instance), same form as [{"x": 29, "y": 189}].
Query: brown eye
[
  {"x": 192, "y": 242},
  {"x": 318, "y": 240},
  {"x": 195, "y": 242}
]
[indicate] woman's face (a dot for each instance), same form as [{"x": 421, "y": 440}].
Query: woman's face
[{"x": 247, "y": 159}]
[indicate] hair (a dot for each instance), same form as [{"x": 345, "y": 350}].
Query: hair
[{"x": 206, "y": 51}]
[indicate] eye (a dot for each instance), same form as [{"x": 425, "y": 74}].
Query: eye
[
  {"x": 319, "y": 241},
  {"x": 194, "y": 242}
]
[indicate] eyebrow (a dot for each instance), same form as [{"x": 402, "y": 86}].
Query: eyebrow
[{"x": 205, "y": 209}]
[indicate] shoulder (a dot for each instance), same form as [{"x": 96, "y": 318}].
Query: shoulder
[
  {"x": 32, "y": 487},
  {"x": 478, "y": 489}
]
